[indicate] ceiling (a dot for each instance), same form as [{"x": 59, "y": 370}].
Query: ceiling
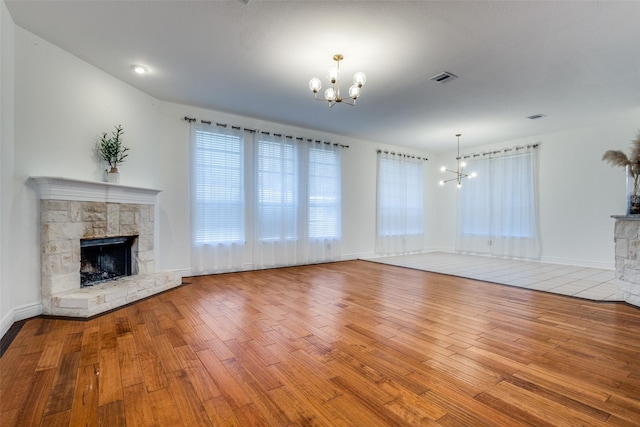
[{"x": 575, "y": 62}]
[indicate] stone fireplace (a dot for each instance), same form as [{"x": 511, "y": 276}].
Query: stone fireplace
[
  {"x": 97, "y": 216},
  {"x": 627, "y": 243}
]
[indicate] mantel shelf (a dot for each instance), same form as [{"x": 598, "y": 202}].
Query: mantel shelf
[
  {"x": 57, "y": 188},
  {"x": 626, "y": 217}
]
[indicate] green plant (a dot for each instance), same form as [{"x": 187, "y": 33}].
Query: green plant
[
  {"x": 111, "y": 149},
  {"x": 618, "y": 158}
]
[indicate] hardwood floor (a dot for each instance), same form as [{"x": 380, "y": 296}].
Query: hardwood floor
[{"x": 344, "y": 344}]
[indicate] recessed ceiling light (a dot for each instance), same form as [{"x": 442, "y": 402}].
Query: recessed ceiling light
[
  {"x": 140, "y": 69},
  {"x": 536, "y": 116}
]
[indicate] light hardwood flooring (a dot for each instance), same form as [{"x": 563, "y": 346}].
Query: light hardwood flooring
[{"x": 352, "y": 343}]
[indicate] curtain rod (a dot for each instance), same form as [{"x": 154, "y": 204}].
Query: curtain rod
[
  {"x": 503, "y": 150},
  {"x": 393, "y": 153},
  {"x": 298, "y": 138}
]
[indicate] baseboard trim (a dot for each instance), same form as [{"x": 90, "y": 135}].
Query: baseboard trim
[
  {"x": 579, "y": 263},
  {"x": 19, "y": 313}
]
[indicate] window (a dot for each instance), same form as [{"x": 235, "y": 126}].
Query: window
[
  {"x": 277, "y": 189},
  {"x": 497, "y": 210},
  {"x": 288, "y": 213},
  {"x": 324, "y": 192},
  {"x": 400, "y": 218},
  {"x": 218, "y": 186}
]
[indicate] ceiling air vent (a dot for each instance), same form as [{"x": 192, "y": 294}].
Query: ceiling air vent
[
  {"x": 536, "y": 116},
  {"x": 443, "y": 77}
]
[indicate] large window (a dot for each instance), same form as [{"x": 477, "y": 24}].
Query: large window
[
  {"x": 288, "y": 213},
  {"x": 400, "y": 218},
  {"x": 218, "y": 186},
  {"x": 498, "y": 210}
]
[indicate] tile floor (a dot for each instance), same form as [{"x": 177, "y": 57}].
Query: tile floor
[{"x": 582, "y": 282}]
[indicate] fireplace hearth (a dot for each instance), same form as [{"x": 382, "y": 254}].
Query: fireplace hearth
[{"x": 105, "y": 259}]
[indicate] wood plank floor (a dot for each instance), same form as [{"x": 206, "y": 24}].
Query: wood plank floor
[{"x": 343, "y": 344}]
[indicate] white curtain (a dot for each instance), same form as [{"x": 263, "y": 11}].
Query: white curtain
[
  {"x": 399, "y": 204},
  {"x": 217, "y": 199},
  {"x": 260, "y": 200},
  {"x": 277, "y": 204},
  {"x": 498, "y": 209},
  {"x": 296, "y": 202},
  {"x": 324, "y": 208}
]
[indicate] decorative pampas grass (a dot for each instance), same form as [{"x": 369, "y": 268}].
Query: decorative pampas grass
[{"x": 619, "y": 158}]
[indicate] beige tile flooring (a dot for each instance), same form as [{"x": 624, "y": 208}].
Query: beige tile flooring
[{"x": 582, "y": 282}]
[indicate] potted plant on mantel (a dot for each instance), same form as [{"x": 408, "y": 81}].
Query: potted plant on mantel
[
  {"x": 113, "y": 152},
  {"x": 632, "y": 165}
]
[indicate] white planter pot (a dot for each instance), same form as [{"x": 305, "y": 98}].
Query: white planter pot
[{"x": 113, "y": 176}]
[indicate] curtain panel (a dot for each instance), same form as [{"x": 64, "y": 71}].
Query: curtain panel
[
  {"x": 297, "y": 202},
  {"x": 498, "y": 209},
  {"x": 218, "y": 203},
  {"x": 399, "y": 204}
]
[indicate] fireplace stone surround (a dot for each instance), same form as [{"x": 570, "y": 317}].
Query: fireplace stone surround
[
  {"x": 627, "y": 246},
  {"x": 71, "y": 210}
]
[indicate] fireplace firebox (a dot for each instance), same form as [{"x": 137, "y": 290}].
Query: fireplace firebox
[{"x": 105, "y": 259}]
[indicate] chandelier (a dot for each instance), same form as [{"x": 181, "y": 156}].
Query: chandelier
[
  {"x": 460, "y": 171},
  {"x": 332, "y": 95}
]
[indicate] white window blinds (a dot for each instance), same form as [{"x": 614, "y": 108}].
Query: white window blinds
[
  {"x": 277, "y": 189},
  {"x": 218, "y": 186},
  {"x": 324, "y": 192},
  {"x": 262, "y": 200}
]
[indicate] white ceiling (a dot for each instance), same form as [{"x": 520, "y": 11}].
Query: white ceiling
[{"x": 576, "y": 62}]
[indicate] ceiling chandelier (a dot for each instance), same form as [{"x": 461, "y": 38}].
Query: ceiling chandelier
[
  {"x": 332, "y": 95},
  {"x": 460, "y": 171}
]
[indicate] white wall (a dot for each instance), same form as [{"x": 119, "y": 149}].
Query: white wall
[
  {"x": 578, "y": 192},
  {"x": 7, "y": 34}
]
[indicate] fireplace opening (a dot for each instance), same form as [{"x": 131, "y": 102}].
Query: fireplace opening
[{"x": 105, "y": 259}]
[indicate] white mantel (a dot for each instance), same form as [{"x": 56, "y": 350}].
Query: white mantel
[{"x": 56, "y": 188}]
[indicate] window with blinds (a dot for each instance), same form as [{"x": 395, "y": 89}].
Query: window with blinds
[
  {"x": 324, "y": 193},
  {"x": 218, "y": 187},
  {"x": 277, "y": 190}
]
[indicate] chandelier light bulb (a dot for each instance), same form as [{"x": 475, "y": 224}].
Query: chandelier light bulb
[
  {"x": 473, "y": 175},
  {"x": 315, "y": 85},
  {"x": 459, "y": 185},
  {"x": 333, "y": 74},
  {"x": 441, "y": 183},
  {"x": 354, "y": 91},
  {"x": 359, "y": 79},
  {"x": 330, "y": 94},
  {"x": 443, "y": 169},
  {"x": 463, "y": 164}
]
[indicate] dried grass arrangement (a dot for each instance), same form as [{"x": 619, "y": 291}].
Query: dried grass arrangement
[{"x": 632, "y": 165}]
